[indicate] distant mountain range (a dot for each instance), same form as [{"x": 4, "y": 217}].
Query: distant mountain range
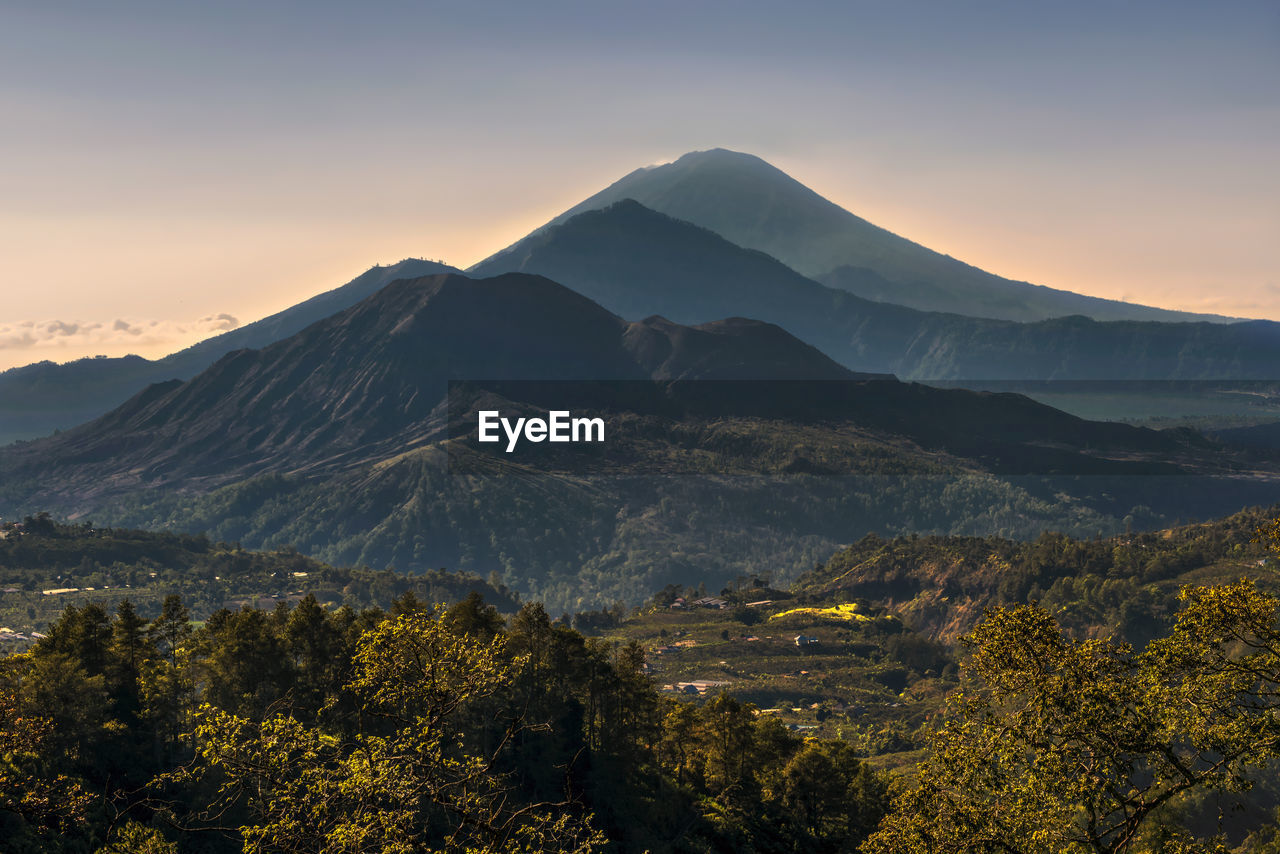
[
  {"x": 42, "y": 397},
  {"x": 336, "y": 438},
  {"x": 757, "y": 206},
  {"x": 636, "y": 262},
  {"x": 711, "y": 250}
]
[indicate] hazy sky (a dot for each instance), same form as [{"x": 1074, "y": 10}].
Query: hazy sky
[{"x": 170, "y": 168}]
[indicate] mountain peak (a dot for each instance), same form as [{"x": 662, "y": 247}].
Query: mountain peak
[
  {"x": 755, "y": 205},
  {"x": 725, "y": 157}
]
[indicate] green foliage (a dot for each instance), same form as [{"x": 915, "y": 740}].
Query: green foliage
[
  {"x": 1066, "y": 745},
  {"x": 40, "y": 802},
  {"x": 405, "y": 779},
  {"x": 835, "y": 796},
  {"x": 135, "y": 838},
  {"x": 317, "y": 726},
  {"x": 433, "y": 728},
  {"x": 759, "y": 785}
]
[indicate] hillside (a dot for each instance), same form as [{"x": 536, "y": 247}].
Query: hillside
[
  {"x": 1265, "y": 436},
  {"x": 755, "y": 205},
  {"x": 1125, "y": 585},
  {"x": 885, "y": 616},
  {"x": 46, "y": 566}
]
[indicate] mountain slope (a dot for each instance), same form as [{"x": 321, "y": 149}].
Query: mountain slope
[
  {"x": 39, "y": 398},
  {"x": 754, "y": 205},
  {"x": 1265, "y": 436},
  {"x": 294, "y": 319},
  {"x": 636, "y": 261},
  {"x": 336, "y": 440}
]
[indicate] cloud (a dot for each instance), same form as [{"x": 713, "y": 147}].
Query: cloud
[
  {"x": 1231, "y": 305},
  {"x": 70, "y": 339}
]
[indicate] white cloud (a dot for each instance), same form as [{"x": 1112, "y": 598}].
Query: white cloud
[{"x": 32, "y": 340}]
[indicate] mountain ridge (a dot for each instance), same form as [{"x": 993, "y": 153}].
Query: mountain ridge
[
  {"x": 756, "y": 205},
  {"x": 38, "y": 398}
]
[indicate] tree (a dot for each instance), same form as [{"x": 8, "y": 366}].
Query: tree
[
  {"x": 1085, "y": 746},
  {"x": 246, "y": 665},
  {"x": 473, "y": 616},
  {"x": 727, "y": 737},
  {"x": 53, "y": 685},
  {"x": 172, "y": 628},
  {"x": 677, "y": 749},
  {"x": 39, "y": 803},
  {"x": 166, "y": 685},
  {"x": 83, "y": 634},
  {"x": 319, "y": 655},
  {"x": 836, "y": 798},
  {"x": 407, "y": 780},
  {"x": 135, "y": 838},
  {"x": 130, "y": 650}
]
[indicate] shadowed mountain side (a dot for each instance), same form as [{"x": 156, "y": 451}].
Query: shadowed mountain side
[
  {"x": 366, "y": 383},
  {"x": 732, "y": 349},
  {"x": 39, "y": 398},
  {"x": 755, "y": 205},
  {"x": 636, "y": 262},
  {"x": 818, "y": 427},
  {"x": 369, "y": 384},
  {"x": 294, "y": 319},
  {"x": 1262, "y": 436}
]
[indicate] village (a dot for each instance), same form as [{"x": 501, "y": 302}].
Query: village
[{"x": 820, "y": 669}]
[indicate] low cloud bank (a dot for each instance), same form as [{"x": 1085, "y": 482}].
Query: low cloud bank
[{"x": 33, "y": 340}]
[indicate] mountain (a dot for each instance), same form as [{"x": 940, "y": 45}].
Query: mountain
[
  {"x": 42, "y": 397},
  {"x": 636, "y": 261},
  {"x": 282, "y": 324},
  {"x": 755, "y": 205},
  {"x": 337, "y": 440},
  {"x": 366, "y": 383}
]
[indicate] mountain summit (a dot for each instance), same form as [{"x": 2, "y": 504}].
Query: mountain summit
[{"x": 757, "y": 206}]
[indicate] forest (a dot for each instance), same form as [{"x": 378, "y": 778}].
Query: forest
[
  {"x": 417, "y": 728},
  {"x": 424, "y": 726}
]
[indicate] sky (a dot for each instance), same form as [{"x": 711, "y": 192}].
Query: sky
[{"x": 172, "y": 169}]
